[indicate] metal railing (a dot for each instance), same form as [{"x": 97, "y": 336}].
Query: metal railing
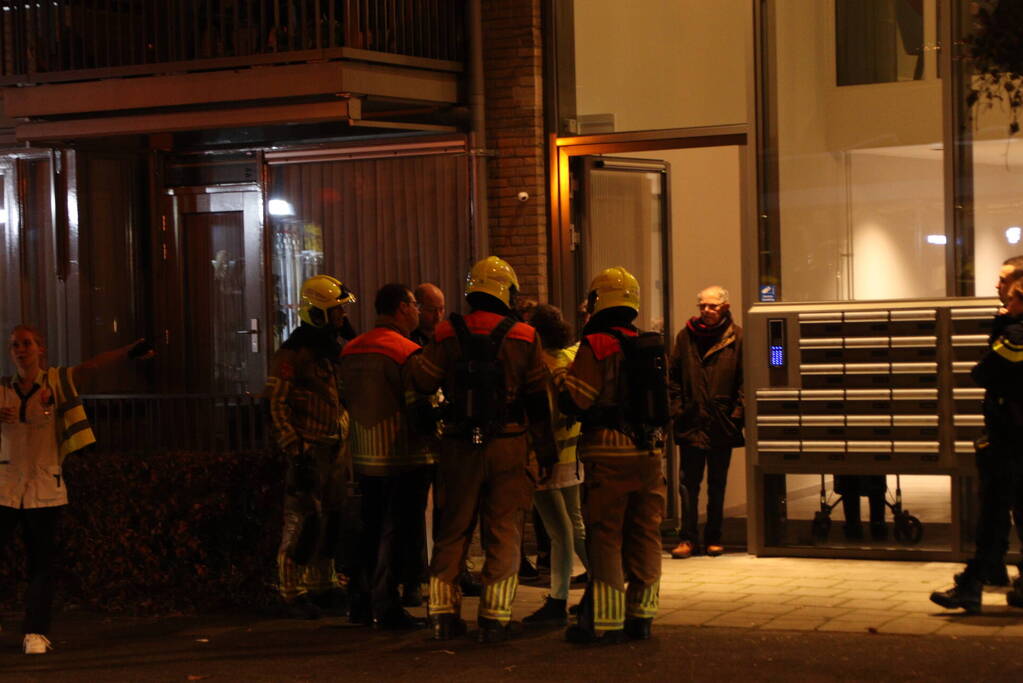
[
  {"x": 59, "y": 36},
  {"x": 151, "y": 423}
]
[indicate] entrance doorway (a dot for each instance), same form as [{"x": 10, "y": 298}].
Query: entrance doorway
[{"x": 670, "y": 209}]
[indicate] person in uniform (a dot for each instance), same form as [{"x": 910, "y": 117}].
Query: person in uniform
[
  {"x": 393, "y": 463},
  {"x": 484, "y": 465},
  {"x": 623, "y": 490},
  {"x": 42, "y": 421},
  {"x": 309, "y": 425},
  {"x": 999, "y": 450}
]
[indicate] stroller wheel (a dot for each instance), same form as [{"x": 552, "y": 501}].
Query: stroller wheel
[
  {"x": 820, "y": 527},
  {"x": 908, "y": 529}
]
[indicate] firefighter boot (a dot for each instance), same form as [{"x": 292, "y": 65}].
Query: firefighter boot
[
  {"x": 965, "y": 594},
  {"x": 447, "y": 626}
]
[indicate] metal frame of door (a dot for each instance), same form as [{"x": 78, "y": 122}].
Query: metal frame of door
[{"x": 171, "y": 309}]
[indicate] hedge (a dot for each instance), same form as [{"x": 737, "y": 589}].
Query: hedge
[{"x": 163, "y": 533}]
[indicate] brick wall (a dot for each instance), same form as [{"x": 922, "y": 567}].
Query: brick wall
[{"x": 513, "y": 65}]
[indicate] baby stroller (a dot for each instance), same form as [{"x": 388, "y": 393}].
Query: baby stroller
[{"x": 908, "y": 529}]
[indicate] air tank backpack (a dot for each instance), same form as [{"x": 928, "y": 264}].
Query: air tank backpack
[
  {"x": 643, "y": 395},
  {"x": 478, "y": 395}
]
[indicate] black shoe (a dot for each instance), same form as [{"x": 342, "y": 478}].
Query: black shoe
[
  {"x": 527, "y": 571},
  {"x": 412, "y": 595},
  {"x": 965, "y": 594},
  {"x": 492, "y": 631},
  {"x": 580, "y": 635},
  {"x": 1014, "y": 598},
  {"x": 301, "y": 608},
  {"x": 553, "y": 613},
  {"x": 332, "y": 602},
  {"x": 580, "y": 579},
  {"x": 447, "y": 627},
  {"x": 638, "y": 628},
  {"x": 470, "y": 587},
  {"x": 398, "y": 620}
]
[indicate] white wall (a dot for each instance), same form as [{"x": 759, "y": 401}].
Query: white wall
[{"x": 646, "y": 61}]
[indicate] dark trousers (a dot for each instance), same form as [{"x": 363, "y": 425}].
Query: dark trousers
[
  {"x": 1000, "y": 475},
  {"x": 393, "y": 509},
  {"x": 39, "y": 531},
  {"x": 415, "y": 563},
  {"x": 694, "y": 462}
]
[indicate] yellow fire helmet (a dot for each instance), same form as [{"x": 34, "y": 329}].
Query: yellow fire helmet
[
  {"x": 492, "y": 276},
  {"x": 320, "y": 293},
  {"x": 614, "y": 287}
]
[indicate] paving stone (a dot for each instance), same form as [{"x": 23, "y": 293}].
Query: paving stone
[
  {"x": 686, "y": 617},
  {"x": 766, "y": 608},
  {"x": 814, "y": 601},
  {"x": 849, "y": 626},
  {"x": 914, "y": 625},
  {"x": 787, "y": 623},
  {"x": 860, "y": 604},
  {"x": 766, "y": 580},
  {"x": 734, "y": 619},
  {"x": 865, "y": 594},
  {"x": 813, "y": 592}
]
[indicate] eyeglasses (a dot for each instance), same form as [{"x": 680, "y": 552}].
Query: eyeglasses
[
  {"x": 709, "y": 307},
  {"x": 415, "y": 303}
]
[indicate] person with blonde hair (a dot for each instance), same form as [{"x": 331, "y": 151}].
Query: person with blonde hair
[{"x": 42, "y": 421}]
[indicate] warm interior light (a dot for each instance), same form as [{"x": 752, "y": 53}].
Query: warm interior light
[
  {"x": 937, "y": 239},
  {"x": 1012, "y": 234},
  {"x": 280, "y": 207}
]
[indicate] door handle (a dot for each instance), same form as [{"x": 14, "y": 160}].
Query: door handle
[{"x": 254, "y": 331}]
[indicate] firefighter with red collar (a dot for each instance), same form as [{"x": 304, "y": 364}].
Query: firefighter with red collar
[
  {"x": 624, "y": 492},
  {"x": 492, "y": 372},
  {"x": 309, "y": 424},
  {"x": 393, "y": 459}
]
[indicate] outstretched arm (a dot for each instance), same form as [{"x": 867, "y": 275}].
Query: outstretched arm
[{"x": 138, "y": 349}]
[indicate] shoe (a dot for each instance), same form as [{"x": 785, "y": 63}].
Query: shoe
[
  {"x": 638, "y": 628},
  {"x": 301, "y": 608},
  {"x": 682, "y": 551},
  {"x": 527, "y": 571},
  {"x": 398, "y": 620},
  {"x": 412, "y": 595},
  {"x": 965, "y": 594},
  {"x": 714, "y": 550},
  {"x": 447, "y": 627},
  {"x": 1014, "y": 598},
  {"x": 36, "y": 644},
  {"x": 470, "y": 587},
  {"x": 583, "y": 636},
  {"x": 492, "y": 631},
  {"x": 553, "y": 613},
  {"x": 580, "y": 579},
  {"x": 333, "y": 601}
]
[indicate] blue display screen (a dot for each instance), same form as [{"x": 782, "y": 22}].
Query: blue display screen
[{"x": 777, "y": 356}]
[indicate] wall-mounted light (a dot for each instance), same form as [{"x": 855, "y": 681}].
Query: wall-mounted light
[
  {"x": 280, "y": 207},
  {"x": 1013, "y": 234},
  {"x": 937, "y": 239}
]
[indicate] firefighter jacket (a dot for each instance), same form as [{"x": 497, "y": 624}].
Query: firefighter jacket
[
  {"x": 305, "y": 403},
  {"x": 1000, "y": 373},
  {"x": 590, "y": 387},
  {"x": 706, "y": 390},
  {"x": 375, "y": 390},
  {"x": 526, "y": 377}
]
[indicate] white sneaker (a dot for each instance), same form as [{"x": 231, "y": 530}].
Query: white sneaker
[{"x": 37, "y": 644}]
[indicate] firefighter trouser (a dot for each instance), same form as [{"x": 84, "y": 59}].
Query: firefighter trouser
[
  {"x": 495, "y": 479},
  {"x": 623, "y": 504},
  {"x": 393, "y": 514},
  {"x": 309, "y": 538}
]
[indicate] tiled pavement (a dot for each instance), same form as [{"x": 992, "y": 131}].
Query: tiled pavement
[{"x": 802, "y": 594}]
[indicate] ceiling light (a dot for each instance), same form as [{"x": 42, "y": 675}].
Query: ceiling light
[
  {"x": 279, "y": 207},
  {"x": 1012, "y": 235},
  {"x": 937, "y": 239}
]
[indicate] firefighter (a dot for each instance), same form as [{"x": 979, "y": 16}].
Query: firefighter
[
  {"x": 492, "y": 373},
  {"x": 623, "y": 490},
  {"x": 309, "y": 426},
  {"x": 393, "y": 462}
]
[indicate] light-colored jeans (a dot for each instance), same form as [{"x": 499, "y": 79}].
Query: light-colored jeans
[{"x": 561, "y": 512}]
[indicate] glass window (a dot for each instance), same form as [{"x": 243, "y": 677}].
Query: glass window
[
  {"x": 879, "y": 41},
  {"x": 10, "y": 304},
  {"x": 643, "y": 65},
  {"x": 859, "y": 210}
]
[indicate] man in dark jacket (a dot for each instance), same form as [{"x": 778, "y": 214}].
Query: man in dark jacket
[
  {"x": 705, "y": 383},
  {"x": 999, "y": 451}
]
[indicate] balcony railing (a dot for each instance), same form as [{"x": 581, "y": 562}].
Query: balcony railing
[
  {"x": 157, "y": 423},
  {"x": 47, "y": 40}
]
